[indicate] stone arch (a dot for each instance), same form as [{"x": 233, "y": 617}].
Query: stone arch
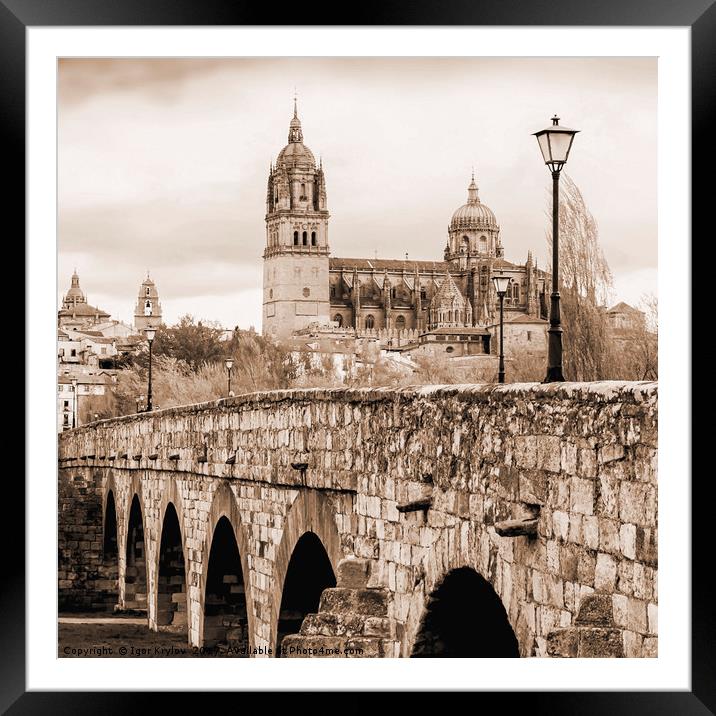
[
  {"x": 109, "y": 567},
  {"x": 464, "y": 617},
  {"x": 170, "y": 594},
  {"x": 477, "y": 549},
  {"x": 135, "y": 571},
  {"x": 310, "y": 512},
  {"x": 309, "y": 572},
  {"x": 170, "y": 494},
  {"x": 224, "y": 505}
]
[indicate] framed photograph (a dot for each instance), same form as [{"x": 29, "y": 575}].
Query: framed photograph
[{"x": 356, "y": 352}]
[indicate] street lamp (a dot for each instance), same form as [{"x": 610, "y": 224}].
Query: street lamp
[
  {"x": 501, "y": 284},
  {"x": 75, "y": 401},
  {"x": 229, "y": 363},
  {"x": 140, "y": 404},
  {"x": 150, "y": 332},
  {"x": 555, "y": 143}
]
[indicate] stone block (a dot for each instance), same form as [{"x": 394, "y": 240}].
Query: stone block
[
  {"x": 563, "y": 643},
  {"x": 627, "y": 540},
  {"x": 605, "y": 573},
  {"x": 595, "y": 610},
  {"x": 353, "y": 573},
  {"x": 620, "y": 604},
  {"x": 600, "y": 643},
  {"x": 582, "y": 496},
  {"x": 636, "y": 616}
]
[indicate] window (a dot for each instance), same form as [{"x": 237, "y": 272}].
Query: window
[
  {"x": 306, "y": 292},
  {"x": 400, "y": 323},
  {"x": 483, "y": 244},
  {"x": 338, "y": 318},
  {"x": 146, "y": 291},
  {"x": 295, "y": 238},
  {"x": 305, "y": 238},
  {"x": 529, "y": 335},
  {"x": 303, "y": 193},
  {"x": 270, "y": 293},
  {"x": 449, "y": 349},
  {"x": 423, "y": 294},
  {"x": 73, "y": 353},
  {"x": 148, "y": 308},
  {"x": 369, "y": 322},
  {"x": 313, "y": 238},
  {"x": 333, "y": 291},
  {"x": 66, "y": 404}
]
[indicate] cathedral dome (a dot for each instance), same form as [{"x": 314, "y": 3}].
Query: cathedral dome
[
  {"x": 296, "y": 153},
  {"x": 473, "y": 215}
]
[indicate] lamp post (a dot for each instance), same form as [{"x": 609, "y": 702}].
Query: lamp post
[
  {"x": 501, "y": 284},
  {"x": 75, "y": 402},
  {"x": 555, "y": 142},
  {"x": 229, "y": 363},
  {"x": 150, "y": 332}
]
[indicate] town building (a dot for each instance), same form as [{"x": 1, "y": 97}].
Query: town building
[{"x": 404, "y": 303}]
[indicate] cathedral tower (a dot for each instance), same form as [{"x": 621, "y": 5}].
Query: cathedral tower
[
  {"x": 296, "y": 255},
  {"x": 148, "y": 311}
]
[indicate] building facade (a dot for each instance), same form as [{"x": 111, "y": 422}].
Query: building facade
[{"x": 304, "y": 285}]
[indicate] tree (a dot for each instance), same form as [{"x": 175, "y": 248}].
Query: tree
[
  {"x": 585, "y": 285},
  {"x": 194, "y": 343}
]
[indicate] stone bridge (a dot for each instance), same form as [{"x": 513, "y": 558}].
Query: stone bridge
[{"x": 515, "y": 520}]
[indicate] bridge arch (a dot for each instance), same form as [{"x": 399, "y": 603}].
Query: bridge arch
[
  {"x": 170, "y": 595},
  {"x": 224, "y": 521},
  {"x": 170, "y": 498},
  {"x": 110, "y": 550},
  {"x": 464, "y": 617},
  {"x": 457, "y": 549},
  {"x": 136, "y": 568},
  {"x": 310, "y": 513}
]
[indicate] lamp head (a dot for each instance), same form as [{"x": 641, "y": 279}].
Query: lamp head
[
  {"x": 555, "y": 142},
  {"x": 501, "y": 284}
]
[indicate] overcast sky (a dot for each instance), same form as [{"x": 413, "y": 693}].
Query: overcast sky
[{"x": 163, "y": 165}]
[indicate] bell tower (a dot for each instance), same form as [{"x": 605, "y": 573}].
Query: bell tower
[
  {"x": 296, "y": 280},
  {"x": 148, "y": 311}
]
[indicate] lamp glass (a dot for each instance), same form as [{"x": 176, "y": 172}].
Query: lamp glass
[
  {"x": 150, "y": 333},
  {"x": 501, "y": 283},
  {"x": 229, "y": 363}
]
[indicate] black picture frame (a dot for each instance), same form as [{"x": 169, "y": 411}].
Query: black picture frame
[{"x": 699, "y": 15}]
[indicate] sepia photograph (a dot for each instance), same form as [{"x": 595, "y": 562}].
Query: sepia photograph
[{"x": 357, "y": 357}]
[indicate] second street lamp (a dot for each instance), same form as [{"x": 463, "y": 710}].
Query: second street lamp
[
  {"x": 555, "y": 143},
  {"x": 229, "y": 363},
  {"x": 501, "y": 285},
  {"x": 150, "y": 332}
]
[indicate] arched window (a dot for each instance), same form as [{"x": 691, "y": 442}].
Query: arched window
[
  {"x": 148, "y": 308},
  {"x": 313, "y": 238},
  {"x": 400, "y": 323},
  {"x": 305, "y": 238},
  {"x": 338, "y": 318},
  {"x": 483, "y": 244},
  {"x": 369, "y": 322},
  {"x": 295, "y": 238},
  {"x": 303, "y": 192}
]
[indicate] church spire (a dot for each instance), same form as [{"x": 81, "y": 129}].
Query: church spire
[
  {"x": 295, "y": 134},
  {"x": 472, "y": 197}
]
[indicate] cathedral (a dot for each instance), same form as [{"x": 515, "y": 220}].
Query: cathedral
[{"x": 305, "y": 286}]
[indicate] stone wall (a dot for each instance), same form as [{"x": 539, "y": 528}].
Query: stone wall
[{"x": 415, "y": 482}]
